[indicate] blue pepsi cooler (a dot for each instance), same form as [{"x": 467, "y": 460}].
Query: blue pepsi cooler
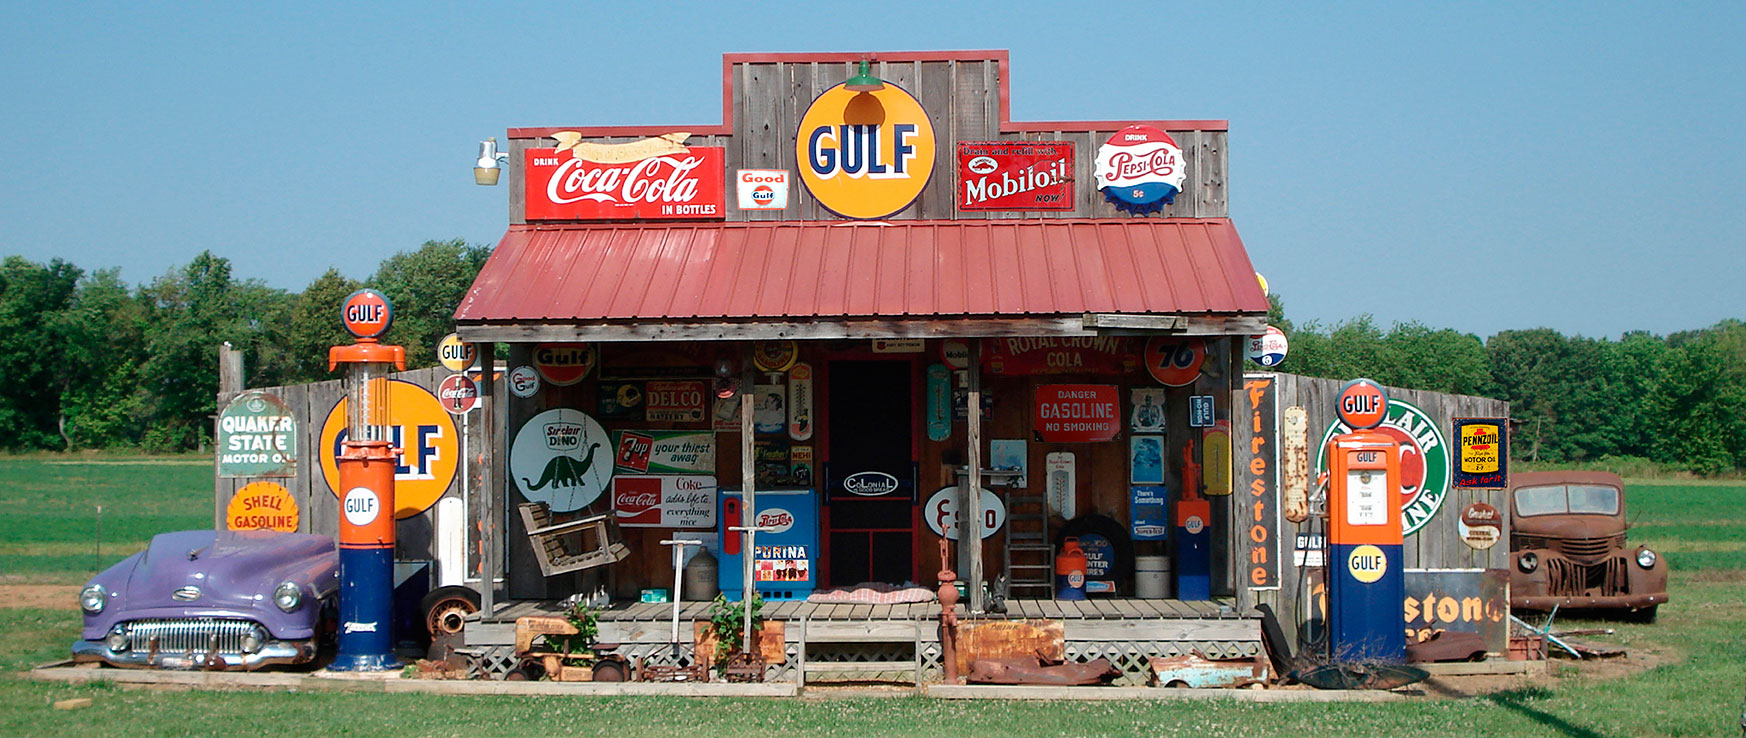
[{"x": 785, "y": 564}]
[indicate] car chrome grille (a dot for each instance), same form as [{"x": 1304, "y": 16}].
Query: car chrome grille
[
  {"x": 192, "y": 635},
  {"x": 1571, "y": 579},
  {"x": 1584, "y": 549}
]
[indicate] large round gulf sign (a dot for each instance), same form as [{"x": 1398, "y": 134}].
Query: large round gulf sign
[
  {"x": 1175, "y": 362},
  {"x": 1426, "y": 467},
  {"x": 865, "y": 155},
  {"x": 563, "y": 364},
  {"x": 1361, "y": 404},
  {"x": 425, "y": 434},
  {"x": 366, "y": 314}
]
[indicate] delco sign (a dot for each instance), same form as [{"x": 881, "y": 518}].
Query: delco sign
[
  {"x": 865, "y": 155},
  {"x": 653, "y": 178},
  {"x": 1015, "y": 175},
  {"x": 870, "y": 483}
]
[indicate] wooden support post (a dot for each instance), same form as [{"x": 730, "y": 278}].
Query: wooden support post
[
  {"x": 489, "y": 493},
  {"x": 970, "y": 500},
  {"x": 748, "y": 493},
  {"x": 230, "y": 384}
]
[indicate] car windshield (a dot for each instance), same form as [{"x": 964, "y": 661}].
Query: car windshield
[
  {"x": 1582, "y": 499},
  {"x": 1594, "y": 499},
  {"x": 1540, "y": 500}
]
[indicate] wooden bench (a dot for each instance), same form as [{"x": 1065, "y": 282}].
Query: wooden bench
[
  {"x": 861, "y": 632},
  {"x": 571, "y": 545}
]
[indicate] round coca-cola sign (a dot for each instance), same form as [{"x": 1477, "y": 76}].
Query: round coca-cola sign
[{"x": 458, "y": 394}]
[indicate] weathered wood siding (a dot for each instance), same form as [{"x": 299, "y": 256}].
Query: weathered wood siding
[
  {"x": 963, "y": 101},
  {"x": 1437, "y": 545},
  {"x": 318, "y": 508}
]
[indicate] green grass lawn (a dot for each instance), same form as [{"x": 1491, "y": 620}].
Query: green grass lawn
[
  {"x": 49, "y": 524},
  {"x": 1696, "y": 691}
]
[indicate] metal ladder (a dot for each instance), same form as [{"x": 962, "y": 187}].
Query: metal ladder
[{"x": 1030, "y": 557}]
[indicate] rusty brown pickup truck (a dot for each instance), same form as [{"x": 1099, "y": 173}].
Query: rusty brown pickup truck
[{"x": 1567, "y": 546}]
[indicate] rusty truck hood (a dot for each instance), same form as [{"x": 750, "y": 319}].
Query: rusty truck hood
[{"x": 1569, "y": 525}]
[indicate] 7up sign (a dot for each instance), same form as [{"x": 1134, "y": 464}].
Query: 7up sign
[{"x": 1425, "y": 466}]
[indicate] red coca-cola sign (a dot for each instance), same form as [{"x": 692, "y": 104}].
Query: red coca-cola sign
[
  {"x": 1015, "y": 175},
  {"x": 689, "y": 184},
  {"x": 637, "y": 500}
]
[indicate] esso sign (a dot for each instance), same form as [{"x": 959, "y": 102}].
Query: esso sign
[
  {"x": 775, "y": 520},
  {"x": 941, "y": 513},
  {"x": 366, "y": 314}
]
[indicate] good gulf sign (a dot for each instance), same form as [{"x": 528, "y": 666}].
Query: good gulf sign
[{"x": 865, "y": 155}]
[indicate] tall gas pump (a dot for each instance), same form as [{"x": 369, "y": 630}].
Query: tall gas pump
[
  {"x": 1365, "y": 581},
  {"x": 366, "y": 477}
]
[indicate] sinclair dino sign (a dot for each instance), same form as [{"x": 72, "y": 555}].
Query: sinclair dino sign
[{"x": 561, "y": 457}]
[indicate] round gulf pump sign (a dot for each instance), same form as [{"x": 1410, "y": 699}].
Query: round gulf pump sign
[{"x": 865, "y": 155}]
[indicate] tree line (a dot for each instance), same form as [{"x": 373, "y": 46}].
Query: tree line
[{"x": 94, "y": 363}]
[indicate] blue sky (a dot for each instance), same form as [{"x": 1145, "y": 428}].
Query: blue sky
[{"x": 1476, "y": 166}]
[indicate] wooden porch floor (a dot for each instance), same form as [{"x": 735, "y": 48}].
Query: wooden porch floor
[{"x": 1091, "y": 609}]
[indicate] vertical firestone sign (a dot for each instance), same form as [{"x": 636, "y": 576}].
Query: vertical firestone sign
[
  {"x": 1258, "y": 479},
  {"x": 257, "y": 437}
]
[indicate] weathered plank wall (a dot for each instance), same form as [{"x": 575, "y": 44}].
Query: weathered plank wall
[
  {"x": 1437, "y": 545},
  {"x": 963, "y": 101},
  {"x": 318, "y": 504}
]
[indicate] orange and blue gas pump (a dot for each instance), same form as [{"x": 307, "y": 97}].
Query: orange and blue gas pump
[
  {"x": 1365, "y": 582},
  {"x": 366, "y": 478}
]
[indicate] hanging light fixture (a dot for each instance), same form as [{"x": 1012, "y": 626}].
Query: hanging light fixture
[
  {"x": 490, "y": 163},
  {"x": 864, "y": 81}
]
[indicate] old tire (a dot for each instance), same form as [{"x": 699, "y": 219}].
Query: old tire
[{"x": 446, "y": 609}]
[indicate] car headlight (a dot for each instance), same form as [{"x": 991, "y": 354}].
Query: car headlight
[
  {"x": 1645, "y": 558},
  {"x": 288, "y": 596},
  {"x": 117, "y": 639},
  {"x": 92, "y": 598},
  {"x": 253, "y": 640},
  {"x": 1528, "y": 562}
]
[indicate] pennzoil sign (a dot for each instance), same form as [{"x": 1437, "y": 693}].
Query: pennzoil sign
[{"x": 1015, "y": 175}]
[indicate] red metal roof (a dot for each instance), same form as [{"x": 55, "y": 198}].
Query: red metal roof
[{"x": 770, "y": 270}]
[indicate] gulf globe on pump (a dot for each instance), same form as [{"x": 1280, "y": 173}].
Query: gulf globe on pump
[{"x": 1140, "y": 169}]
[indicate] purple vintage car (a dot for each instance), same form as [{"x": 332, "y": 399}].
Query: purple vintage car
[{"x": 212, "y": 599}]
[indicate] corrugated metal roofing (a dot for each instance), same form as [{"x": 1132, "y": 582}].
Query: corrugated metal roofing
[{"x": 734, "y": 271}]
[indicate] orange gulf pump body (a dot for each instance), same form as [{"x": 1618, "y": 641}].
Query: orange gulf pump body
[{"x": 1365, "y": 581}]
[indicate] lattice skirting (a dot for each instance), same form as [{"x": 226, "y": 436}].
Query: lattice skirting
[{"x": 1131, "y": 657}]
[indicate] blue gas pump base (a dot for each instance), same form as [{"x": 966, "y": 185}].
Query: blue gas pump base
[{"x": 366, "y": 610}]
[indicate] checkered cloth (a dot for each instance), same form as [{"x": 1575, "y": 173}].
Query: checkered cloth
[{"x": 872, "y": 593}]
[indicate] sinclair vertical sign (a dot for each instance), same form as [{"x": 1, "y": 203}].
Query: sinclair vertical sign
[{"x": 257, "y": 437}]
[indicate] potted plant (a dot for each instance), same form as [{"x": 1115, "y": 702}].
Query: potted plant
[{"x": 735, "y": 660}]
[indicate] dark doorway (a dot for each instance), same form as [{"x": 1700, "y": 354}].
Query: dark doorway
[{"x": 870, "y": 478}]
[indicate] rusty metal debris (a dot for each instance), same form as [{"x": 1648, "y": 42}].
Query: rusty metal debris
[
  {"x": 1196, "y": 670},
  {"x": 1037, "y": 670},
  {"x": 1447, "y": 645}
]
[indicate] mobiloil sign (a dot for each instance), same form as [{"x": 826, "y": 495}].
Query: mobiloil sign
[{"x": 865, "y": 154}]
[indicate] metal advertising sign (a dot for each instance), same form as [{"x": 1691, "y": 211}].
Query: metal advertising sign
[
  {"x": 1268, "y": 349},
  {"x": 1077, "y": 413},
  {"x": 1015, "y": 175},
  {"x": 262, "y": 506},
  {"x": 1140, "y": 169},
  {"x": 1201, "y": 411},
  {"x": 620, "y": 400},
  {"x": 800, "y": 466},
  {"x": 523, "y": 381},
  {"x": 654, "y": 178},
  {"x": 1175, "y": 362},
  {"x": 1425, "y": 466},
  {"x": 800, "y": 402},
  {"x": 865, "y": 155},
  {"x": 762, "y": 189},
  {"x": 939, "y": 394},
  {"x": 775, "y": 356},
  {"x": 1480, "y": 526},
  {"x": 1148, "y": 508},
  {"x": 257, "y": 437},
  {"x": 459, "y": 394},
  {"x": 457, "y": 355},
  {"x": 563, "y": 364},
  {"x": 1148, "y": 410},
  {"x": 664, "y": 452},
  {"x": 941, "y": 513},
  {"x": 1215, "y": 459},
  {"x": 367, "y": 314},
  {"x": 425, "y": 434},
  {"x": 1090, "y": 355},
  {"x": 674, "y": 401},
  {"x": 1483, "y": 462},
  {"x": 1146, "y": 459},
  {"x": 1458, "y": 601},
  {"x": 664, "y": 502},
  {"x": 556, "y": 459},
  {"x": 769, "y": 408},
  {"x": 1258, "y": 479}
]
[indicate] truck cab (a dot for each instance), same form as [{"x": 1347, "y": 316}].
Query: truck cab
[{"x": 1568, "y": 547}]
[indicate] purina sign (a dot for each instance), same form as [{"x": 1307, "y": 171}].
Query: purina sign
[{"x": 655, "y": 178}]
